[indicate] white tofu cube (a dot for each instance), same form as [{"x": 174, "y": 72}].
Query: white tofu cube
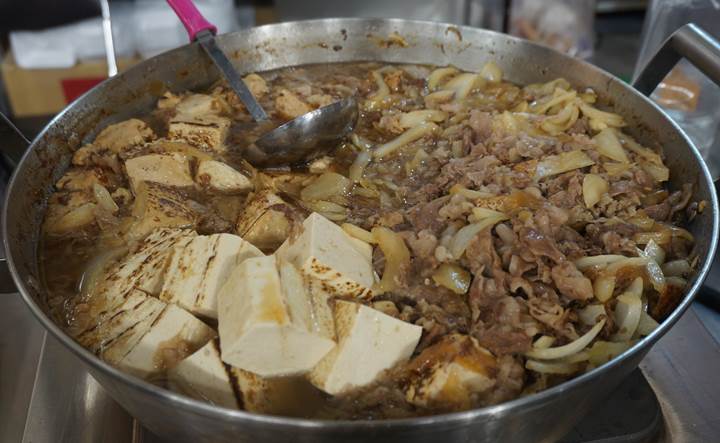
[
  {"x": 328, "y": 256},
  {"x": 197, "y": 105},
  {"x": 451, "y": 374},
  {"x": 143, "y": 269},
  {"x": 198, "y": 269},
  {"x": 260, "y": 329},
  {"x": 168, "y": 169},
  {"x": 149, "y": 351},
  {"x": 207, "y": 131},
  {"x": 368, "y": 342},
  {"x": 204, "y": 376},
  {"x": 221, "y": 178}
]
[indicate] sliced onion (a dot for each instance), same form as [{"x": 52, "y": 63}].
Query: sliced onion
[
  {"x": 358, "y": 232},
  {"x": 662, "y": 238},
  {"x": 453, "y": 277},
  {"x": 608, "y": 145},
  {"x": 357, "y": 168},
  {"x": 326, "y": 186},
  {"x": 654, "y": 252},
  {"x": 397, "y": 259},
  {"x": 604, "y": 286},
  {"x": 457, "y": 188},
  {"x": 360, "y": 142},
  {"x": 614, "y": 169},
  {"x": 677, "y": 268},
  {"x": 465, "y": 235},
  {"x": 646, "y": 325},
  {"x": 655, "y": 275},
  {"x": 590, "y": 314},
  {"x": 560, "y": 163},
  {"x": 103, "y": 198},
  {"x": 659, "y": 173},
  {"x": 607, "y": 118},
  {"x": 593, "y": 187},
  {"x": 462, "y": 84},
  {"x": 544, "y": 342},
  {"x": 480, "y": 213},
  {"x": 414, "y": 163},
  {"x": 491, "y": 72},
  {"x": 406, "y": 137},
  {"x": 627, "y": 315},
  {"x": 597, "y": 260},
  {"x": 414, "y": 118},
  {"x": 560, "y": 97},
  {"x": 560, "y": 368},
  {"x": 329, "y": 210},
  {"x": 439, "y": 75},
  {"x": 568, "y": 349},
  {"x": 383, "y": 91}
]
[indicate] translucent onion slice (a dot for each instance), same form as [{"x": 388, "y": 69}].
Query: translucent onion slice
[
  {"x": 597, "y": 260},
  {"x": 462, "y": 84},
  {"x": 491, "y": 72},
  {"x": 646, "y": 325},
  {"x": 457, "y": 188},
  {"x": 414, "y": 118},
  {"x": 568, "y": 349},
  {"x": 464, "y": 236},
  {"x": 328, "y": 209},
  {"x": 453, "y": 277},
  {"x": 559, "y": 368},
  {"x": 654, "y": 252},
  {"x": 659, "y": 173},
  {"x": 607, "y": 144},
  {"x": 544, "y": 342},
  {"x": 358, "y": 232},
  {"x": 397, "y": 259},
  {"x": 561, "y": 96},
  {"x": 103, "y": 198},
  {"x": 591, "y": 314},
  {"x": 627, "y": 315},
  {"x": 677, "y": 268},
  {"x": 438, "y": 75},
  {"x": 383, "y": 91},
  {"x": 607, "y": 118},
  {"x": 593, "y": 187},
  {"x": 357, "y": 168},
  {"x": 616, "y": 169},
  {"x": 327, "y": 185},
  {"x": 557, "y": 164},
  {"x": 406, "y": 137},
  {"x": 481, "y": 213},
  {"x": 646, "y": 153}
]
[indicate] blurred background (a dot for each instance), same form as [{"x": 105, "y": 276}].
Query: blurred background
[{"x": 51, "y": 51}]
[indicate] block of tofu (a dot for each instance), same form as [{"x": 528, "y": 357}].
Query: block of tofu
[
  {"x": 288, "y": 105},
  {"x": 368, "y": 342},
  {"x": 120, "y": 136},
  {"x": 143, "y": 269},
  {"x": 114, "y": 139},
  {"x": 256, "y": 85},
  {"x": 158, "y": 206},
  {"x": 197, "y": 105},
  {"x": 451, "y": 374},
  {"x": 265, "y": 222},
  {"x": 206, "y": 131},
  {"x": 339, "y": 264},
  {"x": 69, "y": 213},
  {"x": 168, "y": 169},
  {"x": 199, "y": 268},
  {"x": 158, "y": 340},
  {"x": 221, "y": 178},
  {"x": 204, "y": 376},
  {"x": 83, "y": 179},
  {"x": 261, "y": 331}
]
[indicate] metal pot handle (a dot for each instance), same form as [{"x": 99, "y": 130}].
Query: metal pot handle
[{"x": 690, "y": 42}]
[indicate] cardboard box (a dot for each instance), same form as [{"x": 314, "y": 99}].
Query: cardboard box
[{"x": 36, "y": 92}]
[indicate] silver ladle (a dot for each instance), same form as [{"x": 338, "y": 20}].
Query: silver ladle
[{"x": 302, "y": 138}]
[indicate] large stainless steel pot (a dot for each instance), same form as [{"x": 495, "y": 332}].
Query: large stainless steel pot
[{"x": 541, "y": 417}]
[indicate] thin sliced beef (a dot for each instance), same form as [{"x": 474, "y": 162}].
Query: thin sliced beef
[{"x": 571, "y": 282}]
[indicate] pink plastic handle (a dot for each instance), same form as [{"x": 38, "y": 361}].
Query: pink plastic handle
[{"x": 191, "y": 18}]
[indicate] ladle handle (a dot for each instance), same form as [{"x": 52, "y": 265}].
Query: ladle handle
[{"x": 191, "y": 18}]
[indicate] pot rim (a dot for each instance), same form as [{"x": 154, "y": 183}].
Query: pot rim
[{"x": 530, "y": 401}]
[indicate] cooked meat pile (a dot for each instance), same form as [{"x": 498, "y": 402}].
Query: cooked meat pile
[{"x": 472, "y": 241}]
